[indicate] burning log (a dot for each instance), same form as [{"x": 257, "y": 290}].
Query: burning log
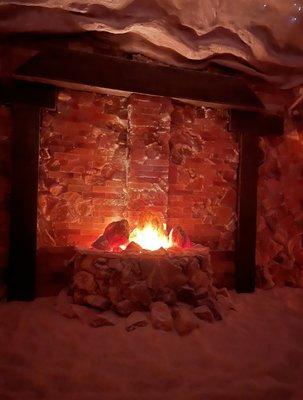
[{"x": 116, "y": 234}]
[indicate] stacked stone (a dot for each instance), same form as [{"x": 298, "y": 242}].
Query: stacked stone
[
  {"x": 82, "y": 168},
  {"x": 164, "y": 282},
  {"x": 203, "y": 176},
  {"x": 148, "y": 138},
  {"x": 279, "y": 254},
  {"x": 5, "y": 129}
]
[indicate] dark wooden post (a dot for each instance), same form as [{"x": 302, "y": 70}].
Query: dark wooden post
[
  {"x": 27, "y": 100},
  {"x": 23, "y": 211},
  {"x": 249, "y": 126}
]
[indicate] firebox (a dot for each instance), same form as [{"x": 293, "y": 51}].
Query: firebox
[{"x": 172, "y": 158}]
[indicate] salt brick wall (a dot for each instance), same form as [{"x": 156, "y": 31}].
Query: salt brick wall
[
  {"x": 279, "y": 253},
  {"x": 5, "y": 133},
  {"x": 148, "y": 136},
  {"x": 203, "y": 176},
  {"x": 82, "y": 168},
  {"x": 104, "y": 158}
]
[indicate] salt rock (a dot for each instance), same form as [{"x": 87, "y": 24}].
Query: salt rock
[
  {"x": 214, "y": 308},
  {"x": 140, "y": 293},
  {"x": 185, "y": 321},
  {"x": 135, "y": 320},
  {"x": 202, "y": 293},
  {"x": 115, "y": 234},
  {"x": 179, "y": 238},
  {"x": 101, "y": 244},
  {"x": 84, "y": 281},
  {"x": 89, "y": 317},
  {"x": 133, "y": 247},
  {"x": 161, "y": 317},
  {"x": 204, "y": 313},
  {"x": 100, "y": 320},
  {"x": 169, "y": 296},
  {"x": 114, "y": 294},
  {"x": 124, "y": 308},
  {"x": 165, "y": 274},
  {"x": 223, "y": 292},
  {"x": 200, "y": 279},
  {"x": 97, "y": 301},
  {"x": 224, "y": 305},
  {"x": 64, "y": 304},
  {"x": 116, "y": 264},
  {"x": 187, "y": 295},
  {"x": 78, "y": 296}
]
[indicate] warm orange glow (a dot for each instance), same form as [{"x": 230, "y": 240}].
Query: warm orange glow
[{"x": 150, "y": 237}]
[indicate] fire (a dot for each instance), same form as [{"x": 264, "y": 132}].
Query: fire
[{"x": 150, "y": 237}]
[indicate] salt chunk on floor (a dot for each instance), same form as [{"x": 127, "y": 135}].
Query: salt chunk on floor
[{"x": 255, "y": 353}]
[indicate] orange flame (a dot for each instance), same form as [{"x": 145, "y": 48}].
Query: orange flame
[{"x": 150, "y": 237}]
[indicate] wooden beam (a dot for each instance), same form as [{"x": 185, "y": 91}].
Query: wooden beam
[
  {"x": 249, "y": 126},
  {"x": 256, "y": 123},
  {"x": 23, "y": 211},
  {"x": 247, "y": 213},
  {"x": 30, "y": 93},
  {"x": 83, "y": 71}
]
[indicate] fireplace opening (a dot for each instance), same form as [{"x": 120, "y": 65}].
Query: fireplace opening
[{"x": 165, "y": 169}]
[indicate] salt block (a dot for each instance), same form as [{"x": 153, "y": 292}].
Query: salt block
[
  {"x": 185, "y": 320},
  {"x": 135, "y": 320},
  {"x": 161, "y": 317},
  {"x": 204, "y": 313}
]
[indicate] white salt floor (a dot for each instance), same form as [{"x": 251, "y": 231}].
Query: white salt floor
[{"x": 255, "y": 353}]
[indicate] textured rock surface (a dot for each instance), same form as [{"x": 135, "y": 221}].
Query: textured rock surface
[
  {"x": 280, "y": 210},
  {"x": 161, "y": 316},
  {"x": 5, "y": 133},
  {"x": 165, "y": 285},
  {"x": 103, "y": 158},
  {"x": 203, "y": 176},
  {"x": 132, "y": 282},
  {"x": 115, "y": 234},
  {"x": 262, "y": 38},
  {"x": 82, "y": 168},
  {"x": 148, "y": 138},
  {"x": 184, "y": 320},
  {"x": 136, "y": 320}
]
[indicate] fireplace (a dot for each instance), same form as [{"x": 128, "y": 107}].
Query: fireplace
[
  {"x": 164, "y": 167},
  {"x": 184, "y": 153}
]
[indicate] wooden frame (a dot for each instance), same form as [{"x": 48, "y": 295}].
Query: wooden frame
[
  {"x": 82, "y": 71},
  {"x": 27, "y": 101},
  {"x": 248, "y": 126}
]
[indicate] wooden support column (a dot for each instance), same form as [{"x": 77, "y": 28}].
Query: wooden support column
[
  {"x": 24, "y": 188},
  {"x": 247, "y": 212},
  {"x": 23, "y": 210},
  {"x": 249, "y": 126}
]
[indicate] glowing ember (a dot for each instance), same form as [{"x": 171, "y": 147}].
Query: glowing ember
[{"x": 150, "y": 237}]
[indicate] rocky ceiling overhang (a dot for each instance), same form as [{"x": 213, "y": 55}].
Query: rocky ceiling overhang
[{"x": 260, "y": 38}]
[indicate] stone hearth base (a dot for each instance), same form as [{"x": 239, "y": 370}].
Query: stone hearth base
[
  {"x": 126, "y": 282},
  {"x": 174, "y": 286}
]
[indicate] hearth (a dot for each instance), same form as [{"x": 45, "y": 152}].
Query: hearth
[{"x": 145, "y": 270}]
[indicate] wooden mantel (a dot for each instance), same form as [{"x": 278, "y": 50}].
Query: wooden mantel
[
  {"x": 96, "y": 72},
  {"x": 34, "y": 88}
]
